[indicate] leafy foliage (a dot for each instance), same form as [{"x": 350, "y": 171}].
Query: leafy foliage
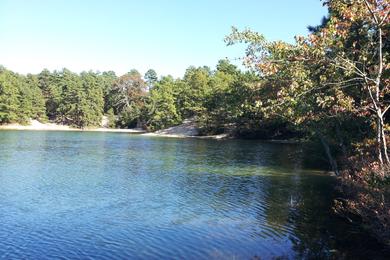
[
  {"x": 164, "y": 111},
  {"x": 20, "y": 98}
]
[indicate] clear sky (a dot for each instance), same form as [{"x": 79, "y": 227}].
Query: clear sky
[{"x": 166, "y": 35}]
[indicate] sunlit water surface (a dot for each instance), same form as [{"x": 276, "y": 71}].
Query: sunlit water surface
[{"x": 103, "y": 196}]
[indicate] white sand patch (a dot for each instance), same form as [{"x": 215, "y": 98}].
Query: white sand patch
[
  {"x": 38, "y": 126},
  {"x": 185, "y": 130},
  {"x": 105, "y": 122}
]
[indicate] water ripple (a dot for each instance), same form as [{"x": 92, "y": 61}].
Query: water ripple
[{"x": 108, "y": 196}]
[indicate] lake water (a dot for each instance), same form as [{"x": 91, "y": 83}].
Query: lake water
[{"x": 83, "y": 195}]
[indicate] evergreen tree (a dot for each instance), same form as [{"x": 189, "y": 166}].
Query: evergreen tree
[
  {"x": 9, "y": 97},
  {"x": 50, "y": 85},
  {"x": 163, "y": 110},
  {"x": 150, "y": 78},
  {"x": 38, "y": 101},
  {"x": 93, "y": 107}
]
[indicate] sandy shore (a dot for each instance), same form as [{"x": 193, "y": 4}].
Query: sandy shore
[
  {"x": 185, "y": 130},
  {"x": 222, "y": 136},
  {"x": 217, "y": 137},
  {"x": 38, "y": 126}
]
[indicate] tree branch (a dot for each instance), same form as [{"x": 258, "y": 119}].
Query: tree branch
[
  {"x": 384, "y": 18},
  {"x": 342, "y": 82},
  {"x": 372, "y": 12},
  {"x": 386, "y": 109}
]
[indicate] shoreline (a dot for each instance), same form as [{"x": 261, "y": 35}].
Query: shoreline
[
  {"x": 214, "y": 137},
  {"x": 54, "y": 127},
  {"x": 186, "y": 130},
  {"x": 38, "y": 126}
]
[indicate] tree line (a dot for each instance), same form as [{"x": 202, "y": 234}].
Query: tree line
[{"x": 215, "y": 99}]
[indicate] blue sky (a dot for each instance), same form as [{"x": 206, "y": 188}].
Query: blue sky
[{"x": 167, "y": 36}]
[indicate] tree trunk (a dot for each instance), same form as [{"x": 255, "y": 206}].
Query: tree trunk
[
  {"x": 381, "y": 139},
  {"x": 341, "y": 141},
  {"x": 384, "y": 142},
  {"x": 331, "y": 160}
]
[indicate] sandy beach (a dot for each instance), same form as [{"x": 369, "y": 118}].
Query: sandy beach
[
  {"x": 35, "y": 125},
  {"x": 185, "y": 130}
]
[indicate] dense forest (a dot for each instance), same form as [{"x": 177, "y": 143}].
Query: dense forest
[
  {"x": 331, "y": 87},
  {"x": 215, "y": 99}
]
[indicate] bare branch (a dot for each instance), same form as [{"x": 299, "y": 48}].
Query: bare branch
[
  {"x": 384, "y": 18},
  {"x": 371, "y": 96},
  {"x": 342, "y": 82},
  {"x": 386, "y": 109},
  {"x": 372, "y": 12}
]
